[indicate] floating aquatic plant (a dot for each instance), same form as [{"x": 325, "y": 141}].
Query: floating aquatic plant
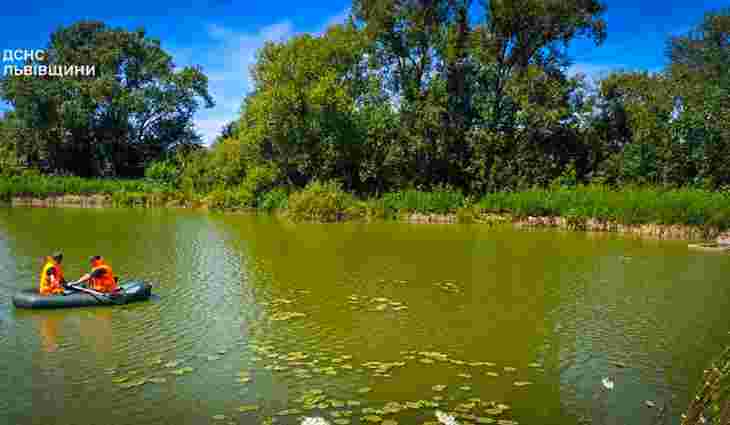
[
  {"x": 607, "y": 383},
  {"x": 286, "y": 315},
  {"x": 314, "y": 421},
  {"x": 446, "y": 419}
]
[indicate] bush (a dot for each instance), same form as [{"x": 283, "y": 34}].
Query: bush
[
  {"x": 276, "y": 199},
  {"x": 163, "y": 172},
  {"x": 320, "y": 202}
]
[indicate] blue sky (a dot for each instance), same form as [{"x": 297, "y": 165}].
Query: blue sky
[{"x": 223, "y": 35}]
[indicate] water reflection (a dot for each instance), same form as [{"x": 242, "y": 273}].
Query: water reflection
[{"x": 48, "y": 326}]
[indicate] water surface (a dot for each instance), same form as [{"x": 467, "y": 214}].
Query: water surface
[{"x": 553, "y": 309}]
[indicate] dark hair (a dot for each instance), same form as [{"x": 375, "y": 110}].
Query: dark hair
[
  {"x": 94, "y": 258},
  {"x": 58, "y": 256}
]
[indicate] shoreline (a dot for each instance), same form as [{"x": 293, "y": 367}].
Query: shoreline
[{"x": 649, "y": 231}]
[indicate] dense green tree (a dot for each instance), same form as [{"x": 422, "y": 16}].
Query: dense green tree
[{"x": 135, "y": 108}]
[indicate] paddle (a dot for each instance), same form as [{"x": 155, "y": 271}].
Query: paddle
[{"x": 96, "y": 294}]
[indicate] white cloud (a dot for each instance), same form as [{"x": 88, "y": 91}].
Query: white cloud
[{"x": 226, "y": 57}]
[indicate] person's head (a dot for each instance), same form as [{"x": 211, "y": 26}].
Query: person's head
[
  {"x": 94, "y": 260},
  {"x": 57, "y": 257}
]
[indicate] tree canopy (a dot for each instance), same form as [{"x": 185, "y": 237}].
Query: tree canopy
[{"x": 135, "y": 108}]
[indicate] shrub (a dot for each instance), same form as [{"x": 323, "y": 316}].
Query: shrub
[
  {"x": 320, "y": 202},
  {"x": 276, "y": 199},
  {"x": 163, "y": 172}
]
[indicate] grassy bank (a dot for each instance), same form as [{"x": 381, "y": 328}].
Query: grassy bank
[
  {"x": 328, "y": 202},
  {"x": 118, "y": 192}
]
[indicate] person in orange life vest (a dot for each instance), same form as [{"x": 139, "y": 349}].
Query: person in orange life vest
[
  {"x": 52, "y": 279},
  {"x": 100, "y": 278}
]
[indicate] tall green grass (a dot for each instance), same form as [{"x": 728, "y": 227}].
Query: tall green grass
[
  {"x": 39, "y": 186},
  {"x": 439, "y": 201},
  {"x": 326, "y": 201},
  {"x": 625, "y": 206}
]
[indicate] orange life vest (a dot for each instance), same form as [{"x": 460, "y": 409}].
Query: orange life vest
[
  {"x": 47, "y": 286},
  {"x": 105, "y": 283}
]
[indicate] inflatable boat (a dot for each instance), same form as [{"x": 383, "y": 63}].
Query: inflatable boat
[{"x": 131, "y": 291}]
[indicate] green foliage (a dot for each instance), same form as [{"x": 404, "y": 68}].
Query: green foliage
[
  {"x": 320, "y": 202},
  {"x": 163, "y": 172},
  {"x": 41, "y": 186},
  {"x": 276, "y": 199},
  {"x": 626, "y": 206},
  {"x": 441, "y": 200},
  {"x": 136, "y": 108}
]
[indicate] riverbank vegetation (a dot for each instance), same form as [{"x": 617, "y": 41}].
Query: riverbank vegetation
[{"x": 407, "y": 107}]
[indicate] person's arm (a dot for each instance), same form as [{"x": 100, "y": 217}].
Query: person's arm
[{"x": 94, "y": 274}]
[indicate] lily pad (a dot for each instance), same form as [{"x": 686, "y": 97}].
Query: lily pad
[
  {"x": 133, "y": 384},
  {"x": 522, "y": 383},
  {"x": 289, "y": 412},
  {"x": 372, "y": 418},
  {"x": 426, "y": 361},
  {"x": 484, "y": 420},
  {"x": 364, "y": 390},
  {"x": 219, "y": 417},
  {"x": 534, "y": 365},
  {"x": 248, "y": 408},
  {"x": 438, "y": 387},
  {"x": 389, "y": 422},
  {"x": 120, "y": 380},
  {"x": 492, "y": 374},
  {"x": 286, "y": 315},
  {"x": 509, "y": 369},
  {"x": 159, "y": 380},
  {"x": 341, "y": 421},
  {"x": 506, "y": 422},
  {"x": 353, "y": 403},
  {"x": 172, "y": 364},
  {"x": 182, "y": 371},
  {"x": 465, "y": 388},
  {"x": 464, "y": 375}
]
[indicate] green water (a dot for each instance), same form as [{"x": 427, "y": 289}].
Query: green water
[{"x": 560, "y": 308}]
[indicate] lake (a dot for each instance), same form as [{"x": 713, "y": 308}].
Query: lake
[{"x": 254, "y": 317}]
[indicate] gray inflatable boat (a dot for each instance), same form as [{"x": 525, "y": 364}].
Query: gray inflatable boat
[{"x": 131, "y": 291}]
